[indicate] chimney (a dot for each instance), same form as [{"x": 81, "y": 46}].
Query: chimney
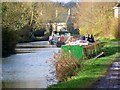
[
  {"x": 41, "y": 13},
  {"x": 69, "y": 12},
  {"x": 56, "y": 12}
]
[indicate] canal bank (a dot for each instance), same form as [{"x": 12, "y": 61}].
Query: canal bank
[{"x": 92, "y": 69}]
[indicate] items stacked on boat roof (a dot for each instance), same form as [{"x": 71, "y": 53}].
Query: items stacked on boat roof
[{"x": 83, "y": 40}]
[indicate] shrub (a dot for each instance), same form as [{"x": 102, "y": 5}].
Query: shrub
[
  {"x": 9, "y": 41},
  {"x": 25, "y": 34},
  {"x": 65, "y": 65}
]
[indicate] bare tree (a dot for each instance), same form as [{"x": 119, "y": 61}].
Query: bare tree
[{"x": 95, "y": 17}]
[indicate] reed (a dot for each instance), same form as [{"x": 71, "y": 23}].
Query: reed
[{"x": 65, "y": 65}]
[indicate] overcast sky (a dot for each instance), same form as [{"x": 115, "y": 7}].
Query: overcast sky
[
  {"x": 87, "y": 0},
  {"x": 61, "y": 0},
  {"x": 64, "y": 0}
]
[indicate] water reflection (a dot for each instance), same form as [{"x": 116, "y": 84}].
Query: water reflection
[{"x": 28, "y": 70}]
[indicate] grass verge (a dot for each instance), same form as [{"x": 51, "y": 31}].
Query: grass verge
[{"x": 91, "y": 69}]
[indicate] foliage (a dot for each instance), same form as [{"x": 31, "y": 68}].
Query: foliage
[
  {"x": 91, "y": 69},
  {"x": 96, "y": 18},
  {"x": 25, "y": 35},
  {"x": 43, "y": 13},
  {"x": 15, "y": 15},
  {"x": 36, "y": 15},
  {"x": 24, "y": 18}
]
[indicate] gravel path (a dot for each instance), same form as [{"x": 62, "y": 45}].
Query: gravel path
[{"x": 112, "y": 79}]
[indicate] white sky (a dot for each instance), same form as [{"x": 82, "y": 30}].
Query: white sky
[
  {"x": 86, "y": 0},
  {"x": 63, "y": 0},
  {"x": 37, "y": 0},
  {"x": 59, "y": 0}
]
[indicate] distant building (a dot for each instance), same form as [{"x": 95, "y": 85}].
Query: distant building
[
  {"x": 117, "y": 10},
  {"x": 62, "y": 21}
]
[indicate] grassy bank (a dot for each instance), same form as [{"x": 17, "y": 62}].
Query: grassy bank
[{"x": 92, "y": 69}]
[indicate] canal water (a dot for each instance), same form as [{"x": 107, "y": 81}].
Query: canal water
[{"x": 29, "y": 70}]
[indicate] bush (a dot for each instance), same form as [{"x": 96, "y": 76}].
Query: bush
[
  {"x": 66, "y": 66},
  {"x": 9, "y": 41},
  {"x": 25, "y": 34}
]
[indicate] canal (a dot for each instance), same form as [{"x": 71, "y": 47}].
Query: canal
[{"x": 30, "y": 67}]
